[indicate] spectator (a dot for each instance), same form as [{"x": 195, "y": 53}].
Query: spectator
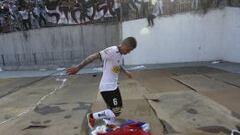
[
  {"x": 1, "y": 22},
  {"x": 7, "y": 24},
  {"x": 132, "y": 3},
  {"x": 12, "y": 8},
  {"x": 40, "y": 2},
  {"x": 151, "y": 16},
  {"x": 125, "y": 10},
  {"x": 206, "y": 4},
  {"x": 25, "y": 18},
  {"x": 15, "y": 16},
  {"x": 42, "y": 16},
  {"x": 83, "y": 11},
  {"x": 34, "y": 15},
  {"x": 64, "y": 8},
  {"x": 117, "y": 7},
  {"x": 158, "y": 7},
  {"x": 5, "y": 17},
  {"x": 195, "y": 4},
  {"x": 145, "y": 4},
  {"x": 150, "y": 19},
  {"x": 22, "y": 3}
]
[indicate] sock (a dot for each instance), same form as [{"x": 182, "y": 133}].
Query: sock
[{"x": 104, "y": 114}]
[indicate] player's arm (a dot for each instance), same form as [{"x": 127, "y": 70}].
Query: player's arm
[
  {"x": 86, "y": 61},
  {"x": 129, "y": 74}
]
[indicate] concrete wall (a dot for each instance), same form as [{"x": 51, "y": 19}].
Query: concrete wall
[
  {"x": 185, "y": 38},
  {"x": 231, "y": 35},
  {"x": 180, "y": 38},
  {"x": 56, "y": 46}
]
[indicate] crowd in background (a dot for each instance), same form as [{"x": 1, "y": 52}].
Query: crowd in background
[{"x": 18, "y": 15}]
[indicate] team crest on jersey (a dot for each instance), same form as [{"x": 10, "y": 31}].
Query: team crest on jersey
[{"x": 116, "y": 69}]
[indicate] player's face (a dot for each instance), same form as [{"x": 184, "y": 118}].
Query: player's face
[{"x": 126, "y": 49}]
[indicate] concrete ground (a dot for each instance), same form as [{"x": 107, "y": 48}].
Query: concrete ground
[{"x": 195, "y": 99}]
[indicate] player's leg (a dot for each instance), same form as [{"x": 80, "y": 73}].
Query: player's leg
[{"x": 113, "y": 101}]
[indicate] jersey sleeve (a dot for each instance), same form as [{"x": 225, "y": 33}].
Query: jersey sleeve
[{"x": 107, "y": 53}]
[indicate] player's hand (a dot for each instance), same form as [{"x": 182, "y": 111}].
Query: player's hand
[
  {"x": 129, "y": 75},
  {"x": 72, "y": 70}
]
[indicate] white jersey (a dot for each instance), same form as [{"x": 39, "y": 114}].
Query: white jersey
[{"x": 112, "y": 60}]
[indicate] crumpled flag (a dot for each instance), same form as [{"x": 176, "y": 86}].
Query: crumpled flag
[{"x": 129, "y": 128}]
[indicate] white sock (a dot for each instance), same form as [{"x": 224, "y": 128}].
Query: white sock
[{"x": 105, "y": 114}]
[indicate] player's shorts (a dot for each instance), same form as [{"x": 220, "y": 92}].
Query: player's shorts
[{"x": 113, "y": 100}]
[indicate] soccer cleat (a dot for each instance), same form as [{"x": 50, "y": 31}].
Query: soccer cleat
[{"x": 91, "y": 121}]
